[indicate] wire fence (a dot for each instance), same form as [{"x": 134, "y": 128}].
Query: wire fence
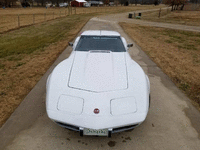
[{"x": 12, "y": 21}]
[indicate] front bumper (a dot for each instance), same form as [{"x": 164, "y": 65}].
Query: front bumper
[
  {"x": 110, "y": 130},
  {"x": 97, "y": 122},
  {"x": 113, "y": 123}
]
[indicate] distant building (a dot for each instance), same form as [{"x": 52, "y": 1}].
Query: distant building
[{"x": 77, "y": 3}]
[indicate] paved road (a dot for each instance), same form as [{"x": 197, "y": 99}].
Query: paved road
[{"x": 172, "y": 123}]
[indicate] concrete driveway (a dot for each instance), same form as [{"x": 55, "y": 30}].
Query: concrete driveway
[
  {"x": 172, "y": 122},
  {"x": 123, "y": 17}
]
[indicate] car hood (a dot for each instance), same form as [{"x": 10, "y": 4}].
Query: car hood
[{"x": 98, "y": 71}]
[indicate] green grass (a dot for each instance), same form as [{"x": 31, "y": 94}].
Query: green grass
[
  {"x": 184, "y": 86},
  {"x": 14, "y": 58},
  {"x": 29, "y": 39},
  {"x": 2, "y": 93},
  {"x": 155, "y": 37},
  {"x": 2, "y": 66},
  {"x": 183, "y": 39},
  {"x": 191, "y": 34},
  {"x": 196, "y": 59},
  {"x": 20, "y": 64},
  {"x": 168, "y": 41},
  {"x": 198, "y": 41},
  {"x": 175, "y": 37},
  {"x": 188, "y": 46}
]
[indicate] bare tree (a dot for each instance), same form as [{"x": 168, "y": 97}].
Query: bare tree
[
  {"x": 175, "y": 3},
  {"x": 7, "y": 3},
  {"x": 136, "y": 1}
]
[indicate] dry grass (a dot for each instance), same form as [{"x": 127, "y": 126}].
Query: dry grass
[
  {"x": 9, "y": 16},
  {"x": 176, "y": 52},
  {"x": 186, "y": 17}
]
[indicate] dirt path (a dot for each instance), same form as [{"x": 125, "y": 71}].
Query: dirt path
[
  {"x": 124, "y": 18},
  {"x": 172, "y": 122}
]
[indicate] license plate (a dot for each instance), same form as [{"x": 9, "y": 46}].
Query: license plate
[{"x": 101, "y": 132}]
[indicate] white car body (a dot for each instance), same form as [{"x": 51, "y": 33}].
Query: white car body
[
  {"x": 109, "y": 81},
  {"x": 86, "y": 4},
  {"x": 48, "y": 5},
  {"x": 63, "y": 4}
]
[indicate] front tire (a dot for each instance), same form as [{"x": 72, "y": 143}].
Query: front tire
[{"x": 149, "y": 100}]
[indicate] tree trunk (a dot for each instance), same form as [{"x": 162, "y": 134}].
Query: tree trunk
[
  {"x": 5, "y": 3},
  {"x": 177, "y": 7},
  {"x": 182, "y": 6},
  {"x": 57, "y": 3},
  {"x": 172, "y": 8}
]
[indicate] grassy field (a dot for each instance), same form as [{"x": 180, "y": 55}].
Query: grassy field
[
  {"x": 176, "y": 52},
  {"x": 186, "y": 17},
  {"x": 11, "y": 18},
  {"x": 27, "y": 53}
]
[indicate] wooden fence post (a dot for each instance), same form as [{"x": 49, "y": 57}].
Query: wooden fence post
[
  {"x": 53, "y": 15},
  {"x": 159, "y": 13},
  {"x": 65, "y": 12},
  {"x": 60, "y": 13},
  {"x": 33, "y": 18},
  {"x": 18, "y": 21},
  {"x": 44, "y": 16},
  {"x": 75, "y": 10}
]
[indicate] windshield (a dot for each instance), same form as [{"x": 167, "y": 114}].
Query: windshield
[{"x": 112, "y": 43}]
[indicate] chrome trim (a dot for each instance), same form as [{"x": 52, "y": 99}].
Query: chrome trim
[
  {"x": 110, "y": 130},
  {"x": 68, "y": 126},
  {"x": 124, "y": 128}
]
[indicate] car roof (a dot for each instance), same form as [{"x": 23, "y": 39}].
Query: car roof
[{"x": 100, "y": 33}]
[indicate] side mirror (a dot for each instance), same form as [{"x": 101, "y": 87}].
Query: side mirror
[
  {"x": 130, "y": 45},
  {"x": 70, "y": 44}
]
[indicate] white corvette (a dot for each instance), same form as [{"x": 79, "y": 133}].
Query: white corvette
[{"x": 99, "y": 89}]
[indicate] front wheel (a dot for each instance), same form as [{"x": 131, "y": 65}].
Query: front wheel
[{"x": 149, "y": 100}]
